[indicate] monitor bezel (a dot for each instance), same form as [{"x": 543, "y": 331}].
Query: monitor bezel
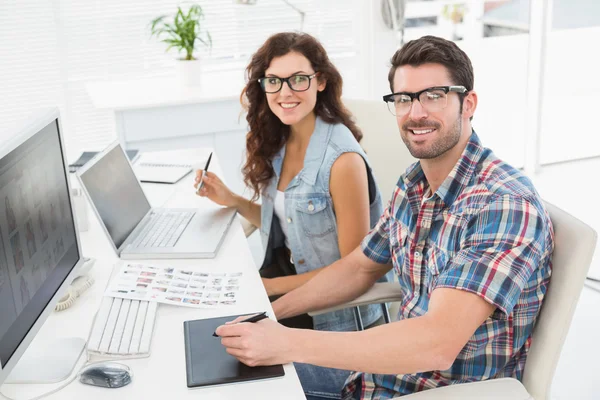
[{"x": 35, "y": 124}]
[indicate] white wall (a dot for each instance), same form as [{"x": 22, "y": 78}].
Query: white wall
[
  {"x": 570, "y": 92},
  {"x": 571, "y": 98}
]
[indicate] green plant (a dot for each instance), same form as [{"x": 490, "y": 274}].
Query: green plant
[
  {"x": 455, "y": 12},
  {"x": 183, "y": 32}
]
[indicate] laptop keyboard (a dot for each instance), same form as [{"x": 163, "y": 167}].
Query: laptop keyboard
[{"x": 164, "y": 230}]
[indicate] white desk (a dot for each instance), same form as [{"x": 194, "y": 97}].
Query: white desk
[{"x": 163, "y": 375}]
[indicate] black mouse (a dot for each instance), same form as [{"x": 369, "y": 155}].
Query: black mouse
[{"x": 107, "y": 374}]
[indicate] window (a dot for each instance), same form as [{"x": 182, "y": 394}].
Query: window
[{"x": 52, "y": 48}]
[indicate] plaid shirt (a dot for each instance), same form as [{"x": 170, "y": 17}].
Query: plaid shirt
[{"x": 485, "y": 231}]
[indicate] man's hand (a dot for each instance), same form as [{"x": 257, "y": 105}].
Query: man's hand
[{"x": 262, "y": 343}]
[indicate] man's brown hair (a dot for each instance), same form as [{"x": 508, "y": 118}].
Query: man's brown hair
[{"x": 435, "y": 50}]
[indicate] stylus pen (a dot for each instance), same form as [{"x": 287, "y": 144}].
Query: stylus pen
[
  {"x": 254, "y": 318},
  {"x": 201, "y": 184}
]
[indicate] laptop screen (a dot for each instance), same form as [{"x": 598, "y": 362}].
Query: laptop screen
[{"x": 116, "y": 193}]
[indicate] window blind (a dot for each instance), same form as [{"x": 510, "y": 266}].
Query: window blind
[{"x": 29, "y": 66}]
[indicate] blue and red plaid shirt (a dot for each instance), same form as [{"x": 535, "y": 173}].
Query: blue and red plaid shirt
[{"x": 485, "y": 231}]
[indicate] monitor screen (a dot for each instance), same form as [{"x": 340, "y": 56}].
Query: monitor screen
[
  {"x": 116, "y": 193},
  {"x": 38, "y": 245}
]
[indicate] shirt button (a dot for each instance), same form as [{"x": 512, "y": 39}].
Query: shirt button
[
  {"x": 311, "y": 207},
  {"x": 289, "y": 220},
  {"x": 301, "y": 261},
  {"x": 417, "y": 254}
]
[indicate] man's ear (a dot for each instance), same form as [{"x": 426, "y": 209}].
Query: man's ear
[{"x": 469, "y": 104}]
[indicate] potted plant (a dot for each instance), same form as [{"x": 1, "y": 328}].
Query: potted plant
[
  {"x": 455, "y": 14},
  {"x": 185, "y": 33}
]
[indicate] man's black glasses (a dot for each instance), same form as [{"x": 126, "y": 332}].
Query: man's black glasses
[{"x": 432, "y": 99}]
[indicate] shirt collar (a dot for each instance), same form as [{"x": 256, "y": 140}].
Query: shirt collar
[
  {"x": 278, "y": 161},
  {"x": 458, "y": 178}
]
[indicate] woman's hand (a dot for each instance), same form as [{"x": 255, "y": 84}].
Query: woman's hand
[{"x": 215, "y": 189}]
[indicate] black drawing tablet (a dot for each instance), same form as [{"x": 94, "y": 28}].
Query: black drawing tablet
[{"x": 207, "y": 362}]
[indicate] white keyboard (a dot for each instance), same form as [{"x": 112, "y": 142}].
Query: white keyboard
[
  {"x": 164, "y": 230},
  {"x": 123, "y": 327}
]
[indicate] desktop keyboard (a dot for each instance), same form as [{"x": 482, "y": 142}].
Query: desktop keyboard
[
  {"x": 122, "y": 327},
  {"x": 164, "y": 230}
]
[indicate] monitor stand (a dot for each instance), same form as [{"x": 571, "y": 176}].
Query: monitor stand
[{"x": 52, "y": 363}]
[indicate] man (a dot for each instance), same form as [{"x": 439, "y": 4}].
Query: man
[{"x": 468, "y": 237}]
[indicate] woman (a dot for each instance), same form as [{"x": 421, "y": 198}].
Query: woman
[{"x": 319, "y": 198}]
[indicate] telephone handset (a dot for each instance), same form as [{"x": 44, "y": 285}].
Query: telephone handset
[{"x": 78, "y": 286}]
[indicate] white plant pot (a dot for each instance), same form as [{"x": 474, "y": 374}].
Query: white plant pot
[{"x": 189, "y": 72}]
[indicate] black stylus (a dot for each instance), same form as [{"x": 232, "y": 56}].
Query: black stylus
[
  {"x": 254, "y": 318},
  {"x": 201, "y": 184}
]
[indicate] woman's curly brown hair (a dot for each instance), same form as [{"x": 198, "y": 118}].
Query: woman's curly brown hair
[{"x": 267, "y": 133}]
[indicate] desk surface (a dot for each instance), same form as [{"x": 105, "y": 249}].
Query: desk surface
[{"x": 162, "y": 375}]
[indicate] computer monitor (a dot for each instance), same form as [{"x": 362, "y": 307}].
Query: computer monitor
[{"x": 40, "y": 250}]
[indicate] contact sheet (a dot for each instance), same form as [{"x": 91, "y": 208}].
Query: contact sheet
[{"x": 178, "y": 286}]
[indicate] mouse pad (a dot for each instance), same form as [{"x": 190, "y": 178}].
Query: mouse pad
[{"x": 207, "y": 362}]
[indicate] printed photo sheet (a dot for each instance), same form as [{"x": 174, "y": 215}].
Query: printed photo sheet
[{"x": 178, "y": 286}]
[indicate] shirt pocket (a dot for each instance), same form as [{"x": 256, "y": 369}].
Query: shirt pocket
[
  {"x": 436, "y": 264},
  {"x": 316, "y": 216},
  {"x": 398, "y": 246}
]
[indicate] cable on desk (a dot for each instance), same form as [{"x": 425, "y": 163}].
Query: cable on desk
[
  {"x": 87, "y": 363},
  {"x": 61, "y": 387}
]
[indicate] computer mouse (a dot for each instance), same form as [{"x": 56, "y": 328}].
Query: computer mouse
[{"x": 107, "y": 374}]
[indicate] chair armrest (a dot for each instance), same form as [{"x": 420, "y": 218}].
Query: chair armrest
[
  {"x": 380, "y": 293},
  {"x": 247, "y": 226},
  {"x": 493, "y": 389}
]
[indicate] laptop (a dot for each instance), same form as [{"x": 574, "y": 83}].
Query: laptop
[{"x": 135, "y": 229}]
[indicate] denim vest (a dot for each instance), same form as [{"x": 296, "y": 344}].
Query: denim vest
[{"x": 311, "y": 224}]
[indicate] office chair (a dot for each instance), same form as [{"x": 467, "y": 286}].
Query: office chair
[
  {"x": 387, "y": 154},
  {"x": 574, "y": 244}
]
